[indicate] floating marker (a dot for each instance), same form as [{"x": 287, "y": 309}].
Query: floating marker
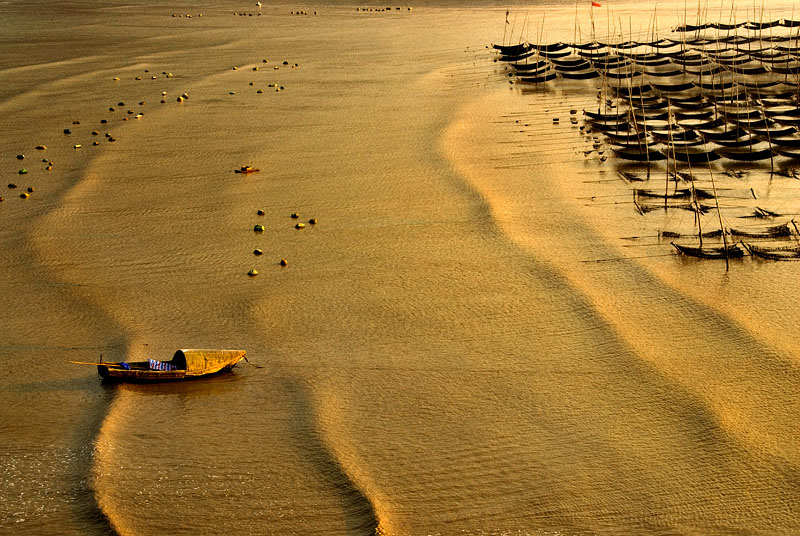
[
  {"x": 300, "y": 226},
  {"x": 295, "y": 215},
  {"x": 284, "y": 262},
  {"x": 258, "y": 228},
  {"x": 252, "y": 272},
  {"x": 257, "y": 252}
]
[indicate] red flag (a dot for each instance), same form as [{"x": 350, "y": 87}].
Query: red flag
[{"x": 595, "y": 4}]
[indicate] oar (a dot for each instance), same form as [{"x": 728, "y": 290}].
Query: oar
[{"x": 87, "y": 363}]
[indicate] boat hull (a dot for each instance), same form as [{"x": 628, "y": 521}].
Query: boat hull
[{"x": 185, "y": 365}]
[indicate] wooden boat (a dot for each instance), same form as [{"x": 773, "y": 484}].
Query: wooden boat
[
  {"x": 184, "y": 365},
  {"x": 638, "y": 154},
  {"x": 759, "y": 151},
  {"x": 247, "y": 169},
  {"x": 549, "y": 75},
  {"x": 710, "y": 252},
  {"x": 775, "y": 253},
  {"x": 691, "y": 153},
  {"x": 512, "y": 50},
  {"x": 773, "y": 231}
]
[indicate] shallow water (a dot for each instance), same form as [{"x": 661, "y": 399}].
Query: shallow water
[{"x": 464, "y": 343}]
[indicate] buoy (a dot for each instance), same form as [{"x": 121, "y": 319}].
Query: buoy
[
  {"x": 116, "y": 78},
  {"x": 103, "y": 121},
  {"x": 258, "y": 228},
  {"x": 12, "y": 185},
  {"x": 76, "y": 122},
  {"x": 24, "y": 195},
  {"x": 295, "y": 215},
  {"x": 300, "y": 226},
  {"x": 313, "y": 221},
  {"x": 180, "y": 99},
  {"x": 23, "y": 171},
  {"x": 252, "y": 272},
  {"x": 77, "y": 146},
  {"x": 67, "y": 131},
  {"x": 30, "y": 189},
  {"x": 257, "y": 252},
  {"x": 20, "y": 157},
  {"x": 284, "y": 262},
  {"x": 259, "y": 91},
  {"x": 41, "y": 147},
  {"x": 260, "y": 212}
]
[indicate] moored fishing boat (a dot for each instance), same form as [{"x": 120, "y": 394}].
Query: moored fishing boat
[
  {"x": 775, "y": 253},
  {"x": 247, "y": 169},
  {"x": 184, "y": 365},
  {"x": 772, "y": 231},
  {"x": 710, "y": 252}
]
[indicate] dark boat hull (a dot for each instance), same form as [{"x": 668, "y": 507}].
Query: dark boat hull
[
  {"x": 117, "y": 375},
  {"x": 710, "y": 252}
]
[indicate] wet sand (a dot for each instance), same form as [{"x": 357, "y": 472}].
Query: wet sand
[{"x": 442, "y": 354}]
